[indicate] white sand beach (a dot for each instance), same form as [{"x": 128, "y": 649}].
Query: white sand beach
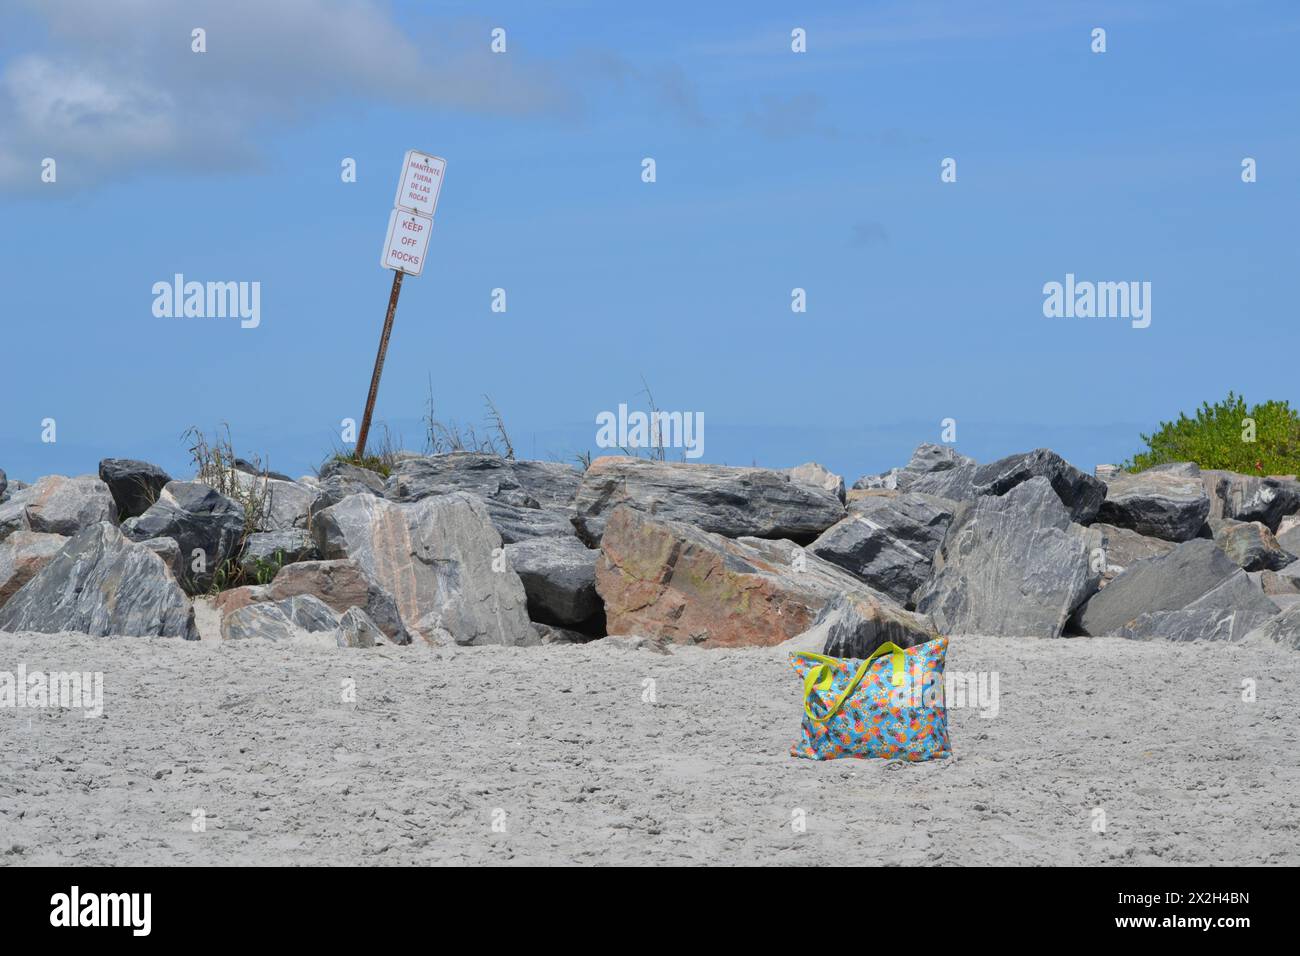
[{"x": 556, "y": 746}]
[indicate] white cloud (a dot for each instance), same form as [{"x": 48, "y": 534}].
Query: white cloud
[
  {"x": 118, "y": 81},
  {"x": 70, "y": 104}
]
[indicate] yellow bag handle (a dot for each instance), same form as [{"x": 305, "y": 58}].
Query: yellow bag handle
[{"x": 819, "y": 677}]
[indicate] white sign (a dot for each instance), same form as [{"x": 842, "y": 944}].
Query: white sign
[
  {"x": 421, "y": 181},
  {"x": 407, "y": 242}
]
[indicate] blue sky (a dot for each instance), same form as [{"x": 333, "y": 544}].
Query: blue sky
[{"x": 775, "y": 170}]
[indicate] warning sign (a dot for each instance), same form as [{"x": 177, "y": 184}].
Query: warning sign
[{"x": 407, "y": 242}]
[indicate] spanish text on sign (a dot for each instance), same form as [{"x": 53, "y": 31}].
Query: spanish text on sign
[{"x": 420, "y": 183}]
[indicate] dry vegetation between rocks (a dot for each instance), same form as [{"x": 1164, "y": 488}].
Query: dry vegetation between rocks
[
  {"x": 447, "y": 435},
  {"x": 381, "y": 456},
  {"x": 217, "y": 465}
]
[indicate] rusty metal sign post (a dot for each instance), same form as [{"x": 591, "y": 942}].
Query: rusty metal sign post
[{"x": 405, "y": 250}]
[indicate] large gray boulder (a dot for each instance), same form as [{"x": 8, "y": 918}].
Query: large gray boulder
[
  {"x": 1013, "y": 565},
  {"x": 1288, "y": 534},
  {"x": 341, "y": 584},
  {"x": 487, "y": 476},
  {"x": 364, "y": 477},
  {"x": 525, "y": 499},
  {"x": 60, "y": 505},
  {"x": 1227, "y": 612},
  {"x": 938, "y": 470},
  {"x": 1124, "y": 547},
  {"x": 1251, "y": 498},
  {"x": 559, "y": 577},
  {"x": 288, "y": 504},
  {"x": 521, "y": 523},
  {"x": 1250, "y": 545},
  {"x": 280, "y": 504},
  {"x": 552, "y": 484},
  {"x": 855, "y": 624},
  {"x": 265, "y": 621},
  {"x": 296, "y": 616},
  {"x": 1168, "y": 582},
  {"x": 1081, "y": 493},
  {"x": 101, "y": 583},
  {"x": 357, "y": 630},
  {"x": 884, "y": 481},
  {"x": 309, "y": 613},
  {"x": 339, "y": 479},
  {"x": 134, "y": 485},
  {"x": 22, "y": 555},
  {"x": 440, "y": 559},
  {"x": 888, "y": 542},
  {"x": 200, "y": 519},
  {"x": 170, "y": 552},
  {"x": 817, "y": 476},
  {"x": 913, "y": 515},
  {"x": 929, "y": 461},
  {"x": 955, "y": 484},
  {"x": 13, "y": 513},
  {"x": 1276, "y": 583},
  {"x": 1282, "y": 628},
  {"x": 1162, "y": 502},
  {"x": 4, "y": 483},
  {"x": 733, "y": 502}
]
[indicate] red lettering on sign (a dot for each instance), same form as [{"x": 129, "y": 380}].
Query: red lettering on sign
[{"x": 402, "y": 255}]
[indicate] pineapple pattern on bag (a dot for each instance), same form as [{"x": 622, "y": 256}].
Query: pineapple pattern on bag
[{"x": 890, "y": 705}]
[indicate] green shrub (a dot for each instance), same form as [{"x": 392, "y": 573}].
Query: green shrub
[
  {"x": 265, "y": 570},
  {"x": 1219, "y": 436}
]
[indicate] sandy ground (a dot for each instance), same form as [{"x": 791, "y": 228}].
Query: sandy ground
[{"x": 556, "y": 746}]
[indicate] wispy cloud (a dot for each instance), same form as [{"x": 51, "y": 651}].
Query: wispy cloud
[
  {"x": 667, "y": 89},
  {"x": 115, "y": 87},
  {"x": 789, "y": 117}
]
